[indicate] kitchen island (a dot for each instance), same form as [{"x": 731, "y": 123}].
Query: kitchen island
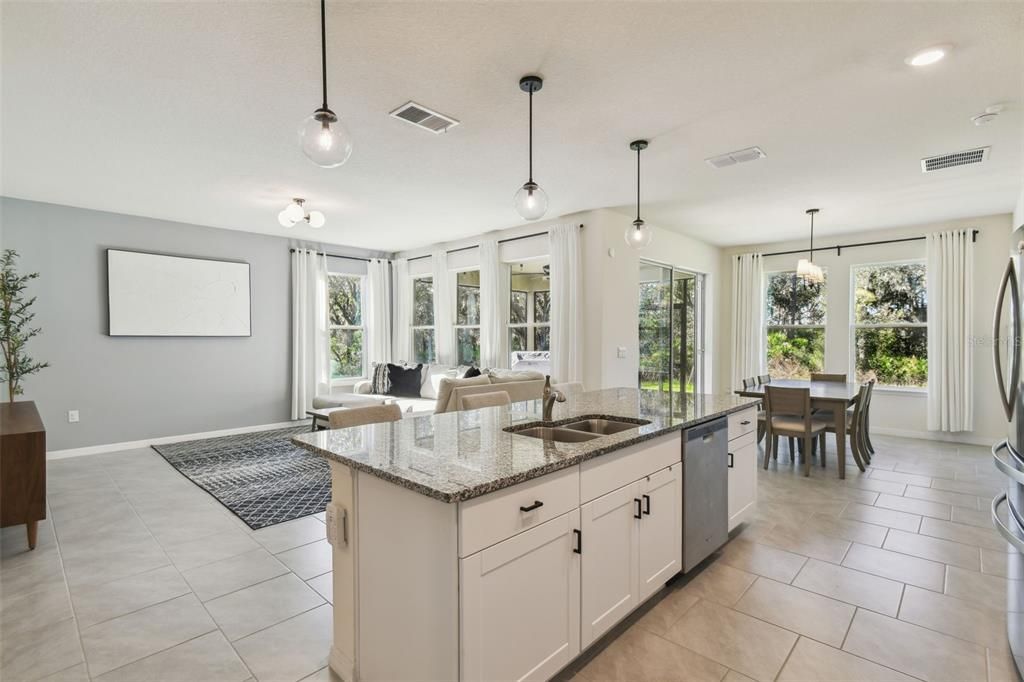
[{"x": 465, "y": 549}]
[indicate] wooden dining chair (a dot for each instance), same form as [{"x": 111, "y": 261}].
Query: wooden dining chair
[
  {"x": 482, "y": 400},
  {"x": 360, "y": 416},
  {"x": 824, "y": 376},
  {"x": 855, "y": 425},
  {"x": 789, "y": 414},
  {"x": 869, "y": 449}
]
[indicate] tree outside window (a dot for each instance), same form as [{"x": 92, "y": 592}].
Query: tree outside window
[
  {"x": 890, "y": 324},
  {"x": 530, "y": 307},
  {"x": 423, "y": 348},
  {"x": 467, "y": 317},
  {"x": 345, "y": 317},
  {"x": 795, "y": 320}
]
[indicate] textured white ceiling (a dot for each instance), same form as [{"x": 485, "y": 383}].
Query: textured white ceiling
[{"x": 188, "y": 111}]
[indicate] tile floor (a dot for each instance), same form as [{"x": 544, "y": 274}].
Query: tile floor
[
  {"x": 895, "y": 574},
  {"x": 891, "y": 575}
]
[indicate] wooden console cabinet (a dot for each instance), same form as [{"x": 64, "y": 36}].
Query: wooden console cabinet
[{"x": 22, "y": 467}]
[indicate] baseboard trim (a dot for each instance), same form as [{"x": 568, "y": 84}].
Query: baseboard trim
[
  {"x": 967, "y": 438},
  {"x": 133, "y": 444}
]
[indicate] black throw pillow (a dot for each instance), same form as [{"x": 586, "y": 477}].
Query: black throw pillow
[
  {"x": 405, "y": 381},
  {"x": 471, "y": 372}
]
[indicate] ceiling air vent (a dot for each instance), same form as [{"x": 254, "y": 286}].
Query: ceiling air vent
[
  {"x": 964, "y": 158},
  {"x": 738, "y": 156},
  {"x": 421, "y": 117}
]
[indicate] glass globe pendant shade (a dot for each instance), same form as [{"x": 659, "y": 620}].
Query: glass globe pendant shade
[
  {"x": 316, "y": 219},
  {"x": 638, "y": 235},
  {"x": 531, "y": 202},
  {"x": 284, "y": 219},
  {"x": 294, "y": 212},
  {"x": 324, "y": 139}
]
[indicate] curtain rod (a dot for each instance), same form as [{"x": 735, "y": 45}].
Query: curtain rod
[
  {"x": 500, "y": 241},
  {"x": 336, "y": 255},
  {"x": 839, "y": 247}
]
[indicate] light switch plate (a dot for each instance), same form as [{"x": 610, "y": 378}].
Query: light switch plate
[
  {"x": 621, "y": 352},
  {"x": 72, "y": 416}
]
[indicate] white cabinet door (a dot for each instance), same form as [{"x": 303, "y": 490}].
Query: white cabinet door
[
  {"x": 660, "y": 536},
  {"x": 742, "y": 478},
  {"x": 521, "y": 604},
  {"x": 609, "y": 561}
]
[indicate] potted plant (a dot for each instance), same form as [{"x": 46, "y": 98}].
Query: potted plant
[{"x": 15, "y": 325}]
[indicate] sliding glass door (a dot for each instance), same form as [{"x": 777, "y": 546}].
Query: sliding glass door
[{"x": 671, "y": 329}]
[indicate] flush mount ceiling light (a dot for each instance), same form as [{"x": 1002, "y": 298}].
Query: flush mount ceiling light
[
  {"x": 638, "y": 235},
  {"x": 806, "y": 269},
  {"x": 323, "y": 138},
  {"x": 295, "y": 212},
  {"x": 928, "y": 55},
  {"x": 531, "y": 202}
]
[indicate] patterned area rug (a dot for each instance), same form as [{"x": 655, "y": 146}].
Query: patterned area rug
[{"x": 259, "y": 476}]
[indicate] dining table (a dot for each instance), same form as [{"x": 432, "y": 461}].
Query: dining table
[{"x": 826, "y": 396}]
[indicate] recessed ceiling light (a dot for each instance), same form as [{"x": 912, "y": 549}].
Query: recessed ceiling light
[{"x": 929, "y": 55}]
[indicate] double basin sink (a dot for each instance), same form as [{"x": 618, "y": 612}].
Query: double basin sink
[{"x": 578, "y": 431}]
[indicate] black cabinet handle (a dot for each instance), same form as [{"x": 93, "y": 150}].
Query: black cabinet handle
[
  {"x": 537, "y": 504},
  {"x": 647, "y": 504},
  {"x": 579, "y": 541},
  {"x": 730, "y": 460},
  {"x": 745, "y": 422},
  {"x": 638, "y": 513}
]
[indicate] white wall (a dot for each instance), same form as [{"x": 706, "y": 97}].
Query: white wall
[
  {"x": 896, "y": 412},
  {"x": 610, "y": 287}
]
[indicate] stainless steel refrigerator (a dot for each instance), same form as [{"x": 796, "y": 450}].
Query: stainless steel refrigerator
[{"x": 1008, "y": 454}]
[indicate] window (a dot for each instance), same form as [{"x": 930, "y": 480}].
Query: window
[
  {"x": 795, "y": 321},
  {"x": 529, "y": 325},
  {"x": 345, "y": 317},
  {"x": 467, "y": 317},
  {"x": 423, "y": 349},
  {"x": 890, "y": 324}
]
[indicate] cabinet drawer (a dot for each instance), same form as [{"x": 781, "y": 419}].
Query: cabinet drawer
[
  {"x": 747, "y": 439},
  {"x": 741, "y": 423},
  {"x": 606, "y": 473},
  {"x": 489, "y": 519}
]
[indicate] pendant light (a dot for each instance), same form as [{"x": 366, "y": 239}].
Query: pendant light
[
  {"x": 638, "y": 235},
  {"x": 806, "y": 269},
  {"x": 323, "y": 138},
  {"x": 531, "y": 202}
]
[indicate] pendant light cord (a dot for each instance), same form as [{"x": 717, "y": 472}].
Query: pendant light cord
[
  {"x": 531, "y": 135},
  {"x": 810, "y": 254},
  {"x": 323, "y": 47},
  {"x": 638, "y": 183}
]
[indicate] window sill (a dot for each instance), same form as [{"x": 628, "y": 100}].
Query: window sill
[
  {"x": 897, "y": 390},
  {"x": 347, "y": 382}
]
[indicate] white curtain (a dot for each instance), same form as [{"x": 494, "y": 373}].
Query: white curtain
[
  {"x": 443, "y": 303},
  {"x": 401, "y": 285},
  {"x": 378, "y": 311},
  {"x": 495, "y": 292},
  {"x": 566, "y": 303},
  {"x": 748, "y": 351},
  {"x": 950, "y": 280},
  {"x": 310, "y": 361}
]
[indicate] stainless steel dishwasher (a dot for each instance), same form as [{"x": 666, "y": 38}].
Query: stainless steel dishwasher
[{"x": 705, "y": 490}]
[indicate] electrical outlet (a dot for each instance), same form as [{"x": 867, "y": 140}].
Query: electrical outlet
[
  {"x": 336, "y": 518},
  {"x": 72, "y": 416}
]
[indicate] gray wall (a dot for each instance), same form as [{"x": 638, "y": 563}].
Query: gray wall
[{"x": 138, "y": 388}]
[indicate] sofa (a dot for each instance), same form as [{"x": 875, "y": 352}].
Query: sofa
[{"x": 442, "y": 389}]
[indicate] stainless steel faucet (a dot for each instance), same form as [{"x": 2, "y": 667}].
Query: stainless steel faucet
[{"x": 550, "y": 396}]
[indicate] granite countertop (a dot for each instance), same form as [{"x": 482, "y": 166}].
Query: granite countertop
[{"x": 457, "y": 456}]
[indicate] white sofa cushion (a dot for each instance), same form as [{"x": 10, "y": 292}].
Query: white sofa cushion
[
  {"x": 347, "y": 400},
  {"x": 432, "y": 375}
]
